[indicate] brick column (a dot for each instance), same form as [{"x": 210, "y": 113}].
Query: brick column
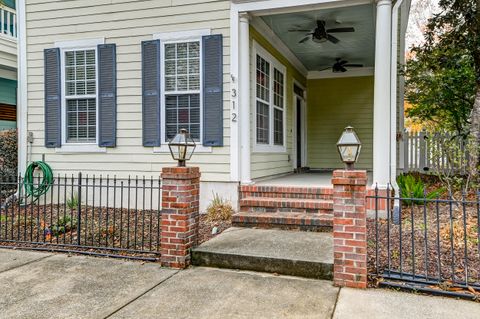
[
  {"x": 180, "y": 215},
  {"x": 349, "y": 228}
]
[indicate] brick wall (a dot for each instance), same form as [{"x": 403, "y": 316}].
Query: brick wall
[
  {"x": 180, "y": 215},
  {"x": 350, "y": 228}
]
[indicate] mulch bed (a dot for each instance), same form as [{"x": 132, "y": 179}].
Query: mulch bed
[
  {"x": 108, "y": 231},
  {"x": 206, "y": 226},
  {"x": 449, "y": 254}
]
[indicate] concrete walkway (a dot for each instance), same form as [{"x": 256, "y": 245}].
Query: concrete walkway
[{"x": 42, "y": 285}]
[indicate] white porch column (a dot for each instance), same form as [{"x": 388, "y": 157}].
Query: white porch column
[
  {"x": 381, "y": 104},
  {"x": 244, "y": 97}
]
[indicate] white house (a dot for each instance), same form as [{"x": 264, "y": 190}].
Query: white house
[
  {"x": 264, "y": 87},
  {"x": 8, "y": 65}
]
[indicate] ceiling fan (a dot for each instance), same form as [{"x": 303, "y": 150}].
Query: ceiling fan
[
  {"x": 320, "y": 34},
  {"x": 341, "y": 66}
]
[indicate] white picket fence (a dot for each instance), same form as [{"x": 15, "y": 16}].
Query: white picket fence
[{"x": 423, "y": 153}]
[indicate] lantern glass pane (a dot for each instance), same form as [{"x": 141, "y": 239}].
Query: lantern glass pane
[{"x": 348, "y": 153}]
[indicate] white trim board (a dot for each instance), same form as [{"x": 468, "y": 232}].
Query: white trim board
[
  {"x": 328, "y": 74},
  {"x": 181, "y": 35},
  {"x": 234, "y": 101},
  {"x": 83, "y": 43},
  {"x": 278, "y": 44},
  {"x": 267, "y": 7}
]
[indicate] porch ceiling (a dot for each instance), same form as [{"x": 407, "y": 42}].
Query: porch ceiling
[{"x": 355, "y": 47}]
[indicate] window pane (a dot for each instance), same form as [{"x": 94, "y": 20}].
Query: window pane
[
  {"x": 81, "y": 120},
  {"x": 278, "y": 88},
  {"x": 182, "y": 111},
  {"x": 169, "y": 51},
  {"x": 182, "y": 50},
  {"x": 182, "y": 66},
  {"x": 278, "y": 127},
  {"x": 263, "y": 79},
  {"x": 80, "y": 57},
  {"x": 194, "y": 49},
  {"x": 170, "y": 83},
  {"x": 170, "y": 68},
  {"x": 69, "y": 58},
  {"x": 262, "y": 123}
]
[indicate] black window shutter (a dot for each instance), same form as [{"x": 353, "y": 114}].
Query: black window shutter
[
  {"x": 151, "y": 92},
  {"x": 212, "y": 90},
  {"x": 53, "y": 117},
  {"x": 107, "y": 95}
]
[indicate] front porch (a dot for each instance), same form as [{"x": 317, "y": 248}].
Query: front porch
[{"x": 304, "y": 74}]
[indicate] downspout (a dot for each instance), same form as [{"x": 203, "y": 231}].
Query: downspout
[{"x": 393, "y": 107}]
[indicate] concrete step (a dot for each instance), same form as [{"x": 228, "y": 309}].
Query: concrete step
[
  {"x": 286, "y": 192},
  {"x": 317, "y": 222},
  {"x": 304, "y": 254},
  {"x": 267, "y": 204}
]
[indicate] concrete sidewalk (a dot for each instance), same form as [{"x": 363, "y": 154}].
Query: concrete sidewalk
[{"x": 42, "y": 285}]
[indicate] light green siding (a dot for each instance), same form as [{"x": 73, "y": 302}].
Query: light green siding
[
  {"x": 8, "y": 91},
  {"x": 266, "y": 164},
  {"x": 332, "y": 105}
]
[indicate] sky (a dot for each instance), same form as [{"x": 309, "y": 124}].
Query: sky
[{"x": 420, "y": 12}]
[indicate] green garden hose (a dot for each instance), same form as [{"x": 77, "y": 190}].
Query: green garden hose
[{"x": 33, "y": 186}]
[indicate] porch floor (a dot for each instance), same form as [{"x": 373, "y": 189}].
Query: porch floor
[{"x": 309, "y": 179}]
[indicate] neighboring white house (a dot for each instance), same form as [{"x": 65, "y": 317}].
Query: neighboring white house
[
  {"x": 8, "y": 65},
  {"x": 108, "y": 83}
]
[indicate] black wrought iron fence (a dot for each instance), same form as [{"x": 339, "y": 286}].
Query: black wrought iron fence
[
  {"x": 92, "y": 215},
  {"x": 433, "y": 245}
]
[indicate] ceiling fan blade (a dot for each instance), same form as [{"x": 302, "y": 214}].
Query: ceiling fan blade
[
  {"x": 304, "y": 39},
  {"x": 342, "y": 62},
  {"x": 353, "y": 65},
  {"x": 339, "y": 30},
  {"x": 299, "y": 30},
  {"x": 332, "y": 39},
  {"x": 342, "y": 69}
]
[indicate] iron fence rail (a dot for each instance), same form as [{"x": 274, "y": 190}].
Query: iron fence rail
[
  {"x": 92, "y": 215},
  {"x": 433, "y": 246}
]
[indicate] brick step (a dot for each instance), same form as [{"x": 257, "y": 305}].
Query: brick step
[
  {"x": 268, "y": 204},
  {"x": 316, "y": 222},
  {"x": 286, "y": 192},
  {"x": 269, "y": 250}
]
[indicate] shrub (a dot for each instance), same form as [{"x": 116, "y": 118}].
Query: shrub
[
  {"x": 219, "y": 209},
  {"x": 8, "y": 162},
  {"x": 8, "y": 150},
  {"x": 412, "y": 187}
]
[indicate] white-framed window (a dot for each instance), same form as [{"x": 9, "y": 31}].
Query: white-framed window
[
  {"x": 181, "y": 86},
  {"x": 79, "y": 87},
  {"x": 269, "y": 102}
]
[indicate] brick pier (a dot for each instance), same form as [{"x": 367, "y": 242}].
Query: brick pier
[
  {"x": 180, "y": 215},
  {"x": 350, "y": 228}
]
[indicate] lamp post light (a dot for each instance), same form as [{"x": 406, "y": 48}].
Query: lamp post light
[
  {"x": 349, "y": 147},
  {"x": 182, "y": 147}
]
